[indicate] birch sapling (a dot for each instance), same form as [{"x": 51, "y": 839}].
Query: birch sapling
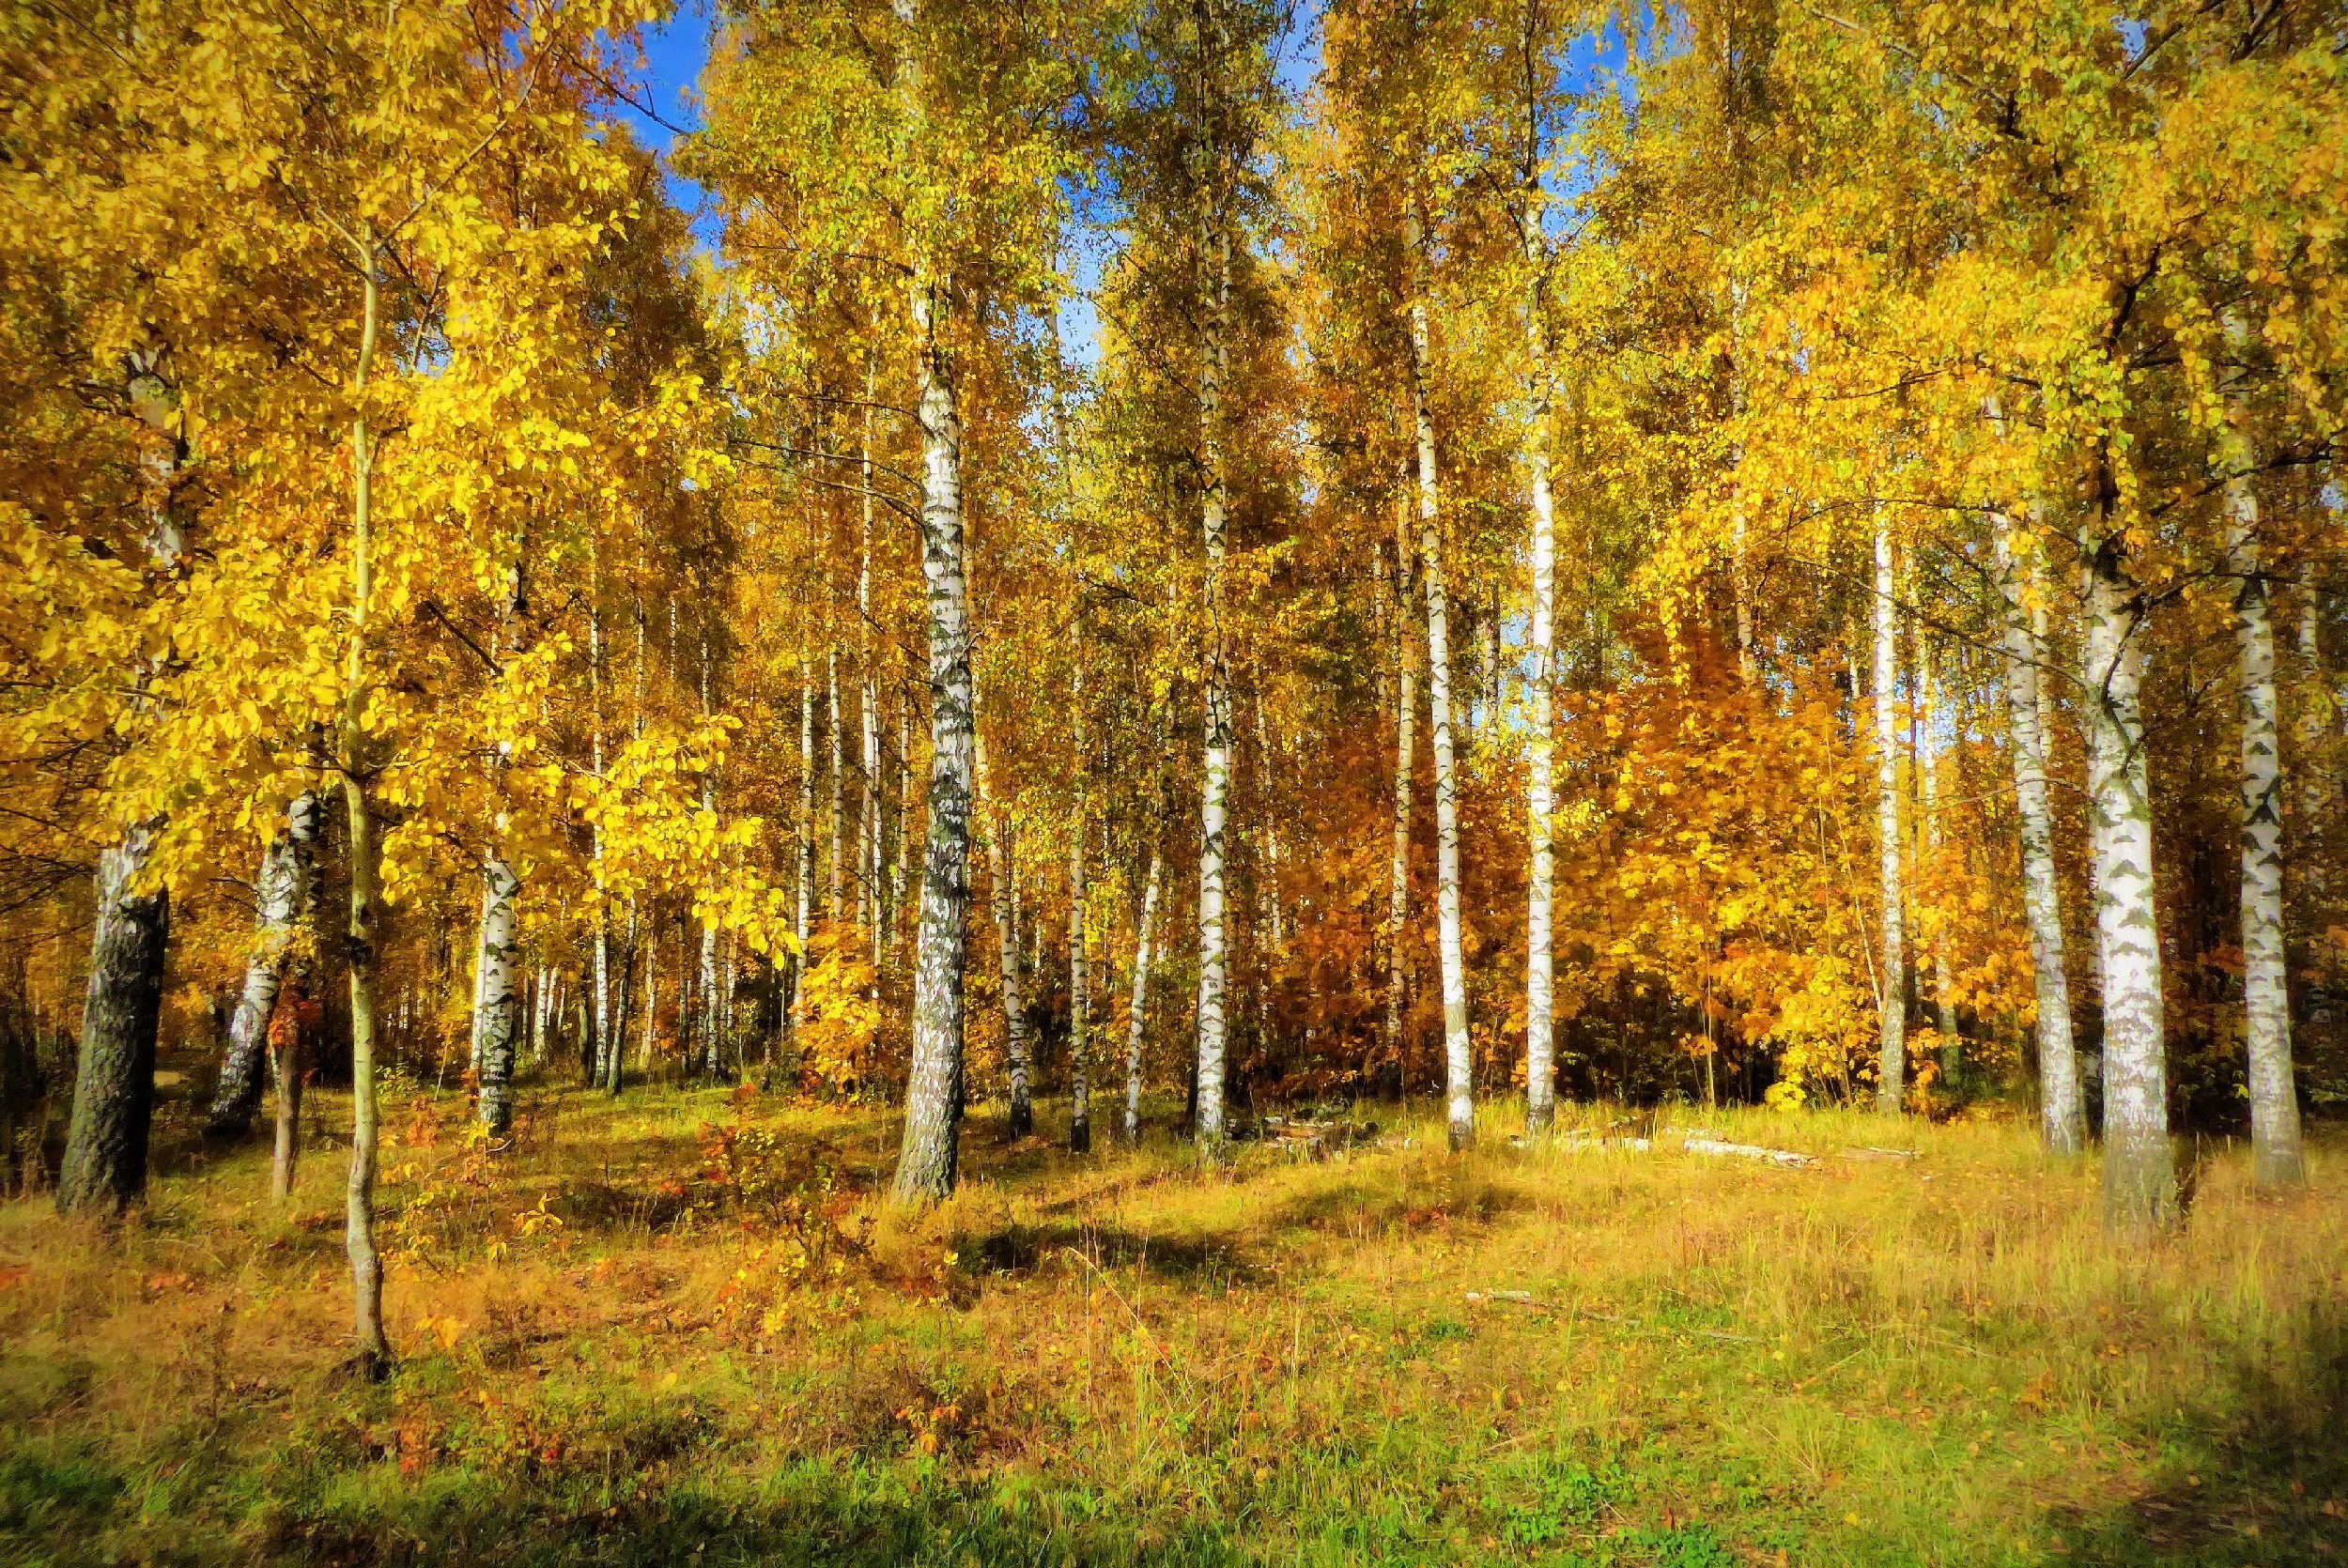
[
  {"x": 1891, "y": 1002},
  {"x": 1134, "y": 1023},
  {"x": 1459, "y": 1064}
]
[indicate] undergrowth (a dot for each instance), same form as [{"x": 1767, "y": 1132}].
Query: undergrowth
[{"x": 682, "y": 1328}]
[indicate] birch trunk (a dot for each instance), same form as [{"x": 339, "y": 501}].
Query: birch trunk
[
  {"x": 2061, "y": 1107},
  {"x": 603, "y": 1041},
  {"x": 926, "y": 1166},
  {"x": 2139, "y": 1173},
  {"x": 1459, "y": 1067},
  {"x": 711, "y": 1041},
  {"x": 1892, "y": 1004},
  {"x": 1215, "y": 789},
  {"x": 1540, "y": 1060},
  {"x": 1133, "y": 1022},
  {"x": 1080, "y": 1086},
  {"x": 113, "y": 1087},
  {"x": 905, "y": 818},
  {"x": 1005, "y": 908},
  {"x": 806, "y": 831},
  {"x": 839, "y": 785},
  {"x": 869, "y": 823},
  {"x": 287, "y": 1030},
  {"x": 499, "y": 1014},
  {"x": 652, "y": 989},
  {"x": 1928, "y": 783},
  {"x": 2314, "y": 779},
  {"x": 281, "y": 887},
  {"x": 2276, "y": 1159},
  {"x": 1405, "y": 712},
  {"x": 366, "y": 1264}
]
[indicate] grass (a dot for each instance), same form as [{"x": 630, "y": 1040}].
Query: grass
[{"x": 681, "y": 1329}]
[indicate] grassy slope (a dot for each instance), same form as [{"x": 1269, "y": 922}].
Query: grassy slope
[{"x": 708, "y": 1345}]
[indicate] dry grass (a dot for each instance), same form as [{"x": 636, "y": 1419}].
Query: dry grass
[{"x": 681, "y": 1328}]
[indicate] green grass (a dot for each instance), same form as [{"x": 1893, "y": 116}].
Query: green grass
[{"x": 681, "y": 1329}]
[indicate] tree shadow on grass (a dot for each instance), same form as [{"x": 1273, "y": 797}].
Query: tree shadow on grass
[
  {"x": 809, "y": 1518},
  {"x": 1249, "y": 1253},
  {"x": 2263, "y": 1482},
  {"x": 1209, "y": 1260}
]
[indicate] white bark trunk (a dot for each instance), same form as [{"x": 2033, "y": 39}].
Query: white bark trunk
[
  {"x": 1459, "y": 1065},
  {"x": 498, "y": 1028},
  {"x": 1891, "y": 1005},
  {"x": 927, "y": 1165},
  {"x": 1540, "y": 1060},
  {"x": 280, "y": 892},
  {"x": 366, "y": 1263},
  {"x": 1405, "y": 712},
  {"x": 839, "y": 785},
  {"x": 604, "y": 1043},
  {"x": 1134, "y": 1023},
  {"x": 905, "y": 818},
  {"x": 805, "y": 908},
  {"x": 2276, "y": 1157},
  {"x": 2139, "y": 1173},
  {"x": 2062, "y": 1109},
  {"x": 1005, "y": 906},
  {"x": 869, "y": 905},
  {"x": 1080, "y": 1086},
  {"x": 1926, "y": 763},
  {"x": 1215, "y": 786}
]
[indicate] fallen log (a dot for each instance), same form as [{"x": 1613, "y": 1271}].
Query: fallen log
[{"x": 1788, "y": 1158}]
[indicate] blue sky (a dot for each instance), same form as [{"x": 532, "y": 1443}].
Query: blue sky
[
  {"x": 675, "y": 50},
  {"x": 673, "y": 54}
]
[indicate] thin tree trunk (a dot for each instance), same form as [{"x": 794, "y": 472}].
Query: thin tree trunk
[
  {"x": 1215, "y": 784},
  {"x": 1079, "y": 992},
  {"x": 869, "y": 824},
  {"x": 1134, "y": 1023},
  {"x": 807, "y": 832},
  {"x": 1540, "y": 1059},
  {"x": 1405, "y": 712},
  {"x": 2276, "y": 1159},
  {"x": 288, "y": 1031},
  {"x": 2062, "y": 1109},
  {"x": 1459, "y": 1065},
  {"x": 366, "y": 1264},
  {"x": 905, "y": 818},
  {"x": 2314, "y": 779},
  {"x": 2140, "y": 1172},
  {"x": 604, "y": 1044},
  {"x": 1928, "y": 784},
  {"x": 1892, "y": 1004},
  {"x": 999, "y": 862},
  {"x": 839, "y": 785},
  {"x": 652, "y": 991},
  {"x": 280, "y": 887}
]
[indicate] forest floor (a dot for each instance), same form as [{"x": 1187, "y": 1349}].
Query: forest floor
[{"x": 681, "y": 1328}]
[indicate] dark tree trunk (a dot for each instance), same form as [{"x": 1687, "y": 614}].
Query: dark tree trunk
[{"x": 114, "y": 1091}]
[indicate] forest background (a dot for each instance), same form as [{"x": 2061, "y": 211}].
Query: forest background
[{"x": 1140, "y": 570}]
